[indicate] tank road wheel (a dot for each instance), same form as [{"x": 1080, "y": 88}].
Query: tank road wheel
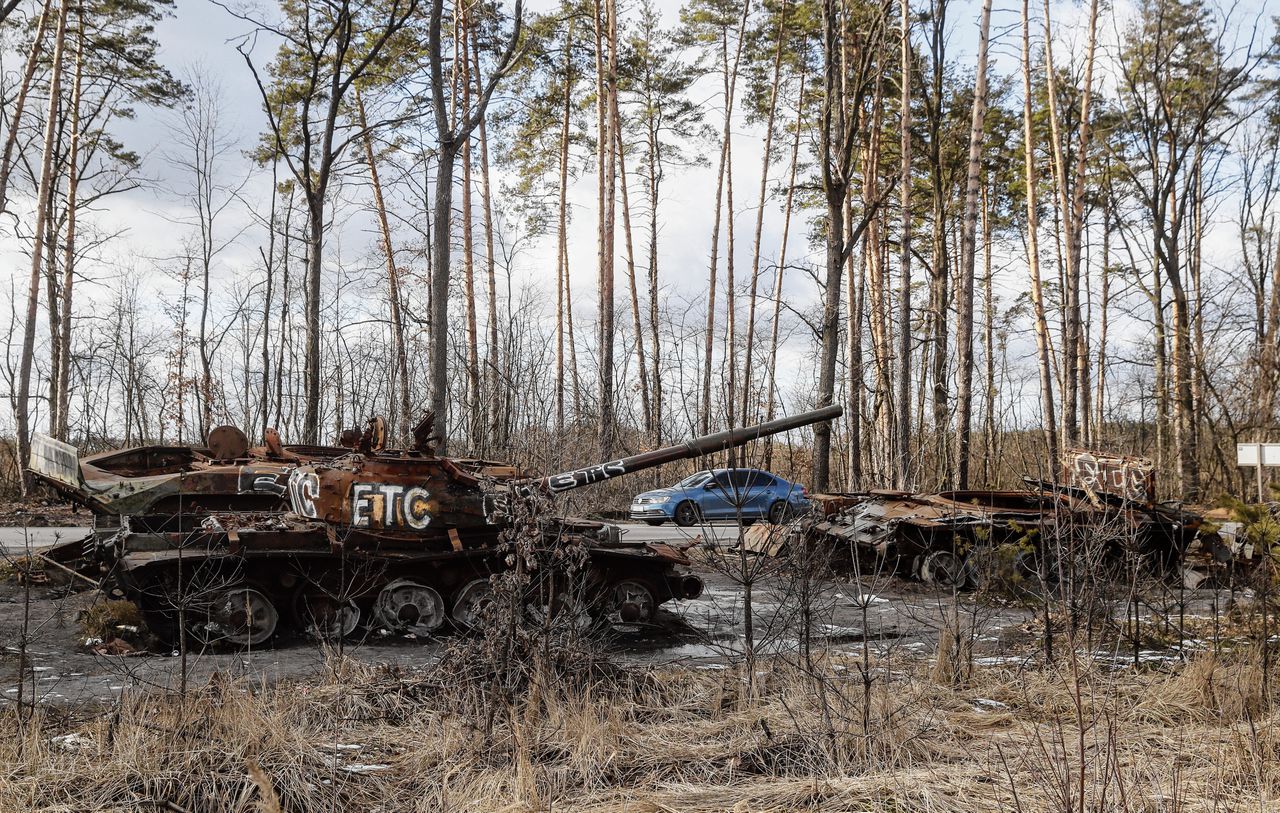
[
  {"x": 629, "y": 602},
  {"x": 471, "y": 603},
  {"x": 242, "y": 616},
  {"x": 686, "y": 514},
  {"x": 323, "y": 615},
  {"x": 406, "y": 606},
  {"x": 943, "y": 568}
]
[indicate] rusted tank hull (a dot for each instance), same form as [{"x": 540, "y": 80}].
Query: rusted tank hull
[
  {"x": 300, "y": 577},
  {"x": 936, "y": 537}
]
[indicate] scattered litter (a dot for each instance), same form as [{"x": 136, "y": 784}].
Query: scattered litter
[
  {"x": 339, "y": 746},
  {"x": 866, "y": 599},
  {"x": 362, "y": 768},
  {"x": 987, "y": 704},
  {"x": 116, "y": 646}
]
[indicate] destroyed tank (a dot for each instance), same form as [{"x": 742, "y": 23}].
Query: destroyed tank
[{"x": 398, "y": 539}]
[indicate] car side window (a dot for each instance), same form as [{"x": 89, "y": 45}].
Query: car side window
[
  {"x": 760, "y": 479},
  {"x": 723, "y": 480}
]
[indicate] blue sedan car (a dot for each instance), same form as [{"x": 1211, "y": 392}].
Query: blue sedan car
[{"x": 722, "y": 494}]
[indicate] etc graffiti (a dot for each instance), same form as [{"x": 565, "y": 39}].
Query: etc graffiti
[
  {"x": 304, "y": 489},
  {"x": 384, "y": 505},
  {"x": 1133, "y": 478}
]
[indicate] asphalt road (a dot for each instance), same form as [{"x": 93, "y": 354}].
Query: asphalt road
[{"x": 14, "y": 541}]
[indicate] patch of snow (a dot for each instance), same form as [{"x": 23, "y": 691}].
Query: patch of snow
[{"x": 72, "y": 742}]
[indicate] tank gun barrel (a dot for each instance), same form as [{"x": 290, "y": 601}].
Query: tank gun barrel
[{"x": 707, "y": 444}]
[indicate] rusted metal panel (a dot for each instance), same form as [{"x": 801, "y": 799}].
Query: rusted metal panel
[{"x": 1097, "y": 473}]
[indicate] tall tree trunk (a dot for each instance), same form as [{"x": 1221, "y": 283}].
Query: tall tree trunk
[
  {"x": 655, "y": 347},
  {"x": 989, "y": 346},
  {"x": 393, "y": 278},
  {"x": 447, "y": 151},
  {"x": 856, "y": 273},
  {"x": 642, "y": 369},
  {"x": 562, "y": 250},
  {"x": 1100, "y": 401},
  {"x": 772, "y": 367},
  {"x": 903, "y": 472},
  {"x": 878, "y": 316},
  {"x": 475, "y": 399},
  {"x": 606, "y": 88},
  {"x": 968, "y": 250},
  {"x": 494, "y": 436},
  {"x": 63, "y": 372},
  {"x": 269, "y": 261},
  {"x": 44, "y": 194},
  {"x": 1075, "y": 234},
  {"x": 1033, "y": 255},
  {"x": 704, "y": 410},
  {"x": 311, "y": 368},
  {"x": 940, "y": 270},
  {"x": 749, "y": 353}
]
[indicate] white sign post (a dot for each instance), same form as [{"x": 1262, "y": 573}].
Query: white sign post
[{"x": 1258, "y": 456}]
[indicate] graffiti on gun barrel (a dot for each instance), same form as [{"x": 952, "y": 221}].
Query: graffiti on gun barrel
[
  {"x": 1131, "y": 477},
  {"x": 582, "y": 477}
]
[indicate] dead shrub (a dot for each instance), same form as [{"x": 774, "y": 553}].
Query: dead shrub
[
  {"x": 113, "y": 619},
  {"x": 1213, "y": 687}
]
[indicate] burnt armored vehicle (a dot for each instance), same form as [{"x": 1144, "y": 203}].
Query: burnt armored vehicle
[
  {"x": 1101, "y": 510},
  {"x": 401, "y": 539}
]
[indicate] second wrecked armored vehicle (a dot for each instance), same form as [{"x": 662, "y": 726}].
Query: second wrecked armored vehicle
[
  {"x": 1101, "y": 512},
  {"x": 402, "y": 539}
]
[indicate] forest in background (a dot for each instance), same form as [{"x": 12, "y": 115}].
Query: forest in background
[{"x": 1065, "y": 235}]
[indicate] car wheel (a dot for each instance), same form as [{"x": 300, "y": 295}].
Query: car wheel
[
  {"x": 686, "y": 514},
  {"x": 779, "y": 512},
  {"x": 654, "y": 522}
]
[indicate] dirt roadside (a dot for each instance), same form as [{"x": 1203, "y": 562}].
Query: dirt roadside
[{"x": 63, "y": 669}]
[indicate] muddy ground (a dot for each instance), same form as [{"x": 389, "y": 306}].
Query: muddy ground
[{"x": 892, "y": 617}]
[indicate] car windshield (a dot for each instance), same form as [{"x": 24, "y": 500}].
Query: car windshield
[{"x": 694, "y": 480}]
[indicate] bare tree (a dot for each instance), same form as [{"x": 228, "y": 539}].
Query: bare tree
[
  {"x": 327, "y": 48},
  {"x": 449, "y": 139},
  {"x": 969, "y": 226},
  {"x": 44, "y": 194}
]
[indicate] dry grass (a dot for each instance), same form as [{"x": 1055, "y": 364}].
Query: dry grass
[{"x": 366, "y": 738}]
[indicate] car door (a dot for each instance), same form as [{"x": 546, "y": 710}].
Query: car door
[
  {"x": 744, "y": 492},
  {"x": 717, "y": 497},
  {"x": 761, "y": 492}
]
